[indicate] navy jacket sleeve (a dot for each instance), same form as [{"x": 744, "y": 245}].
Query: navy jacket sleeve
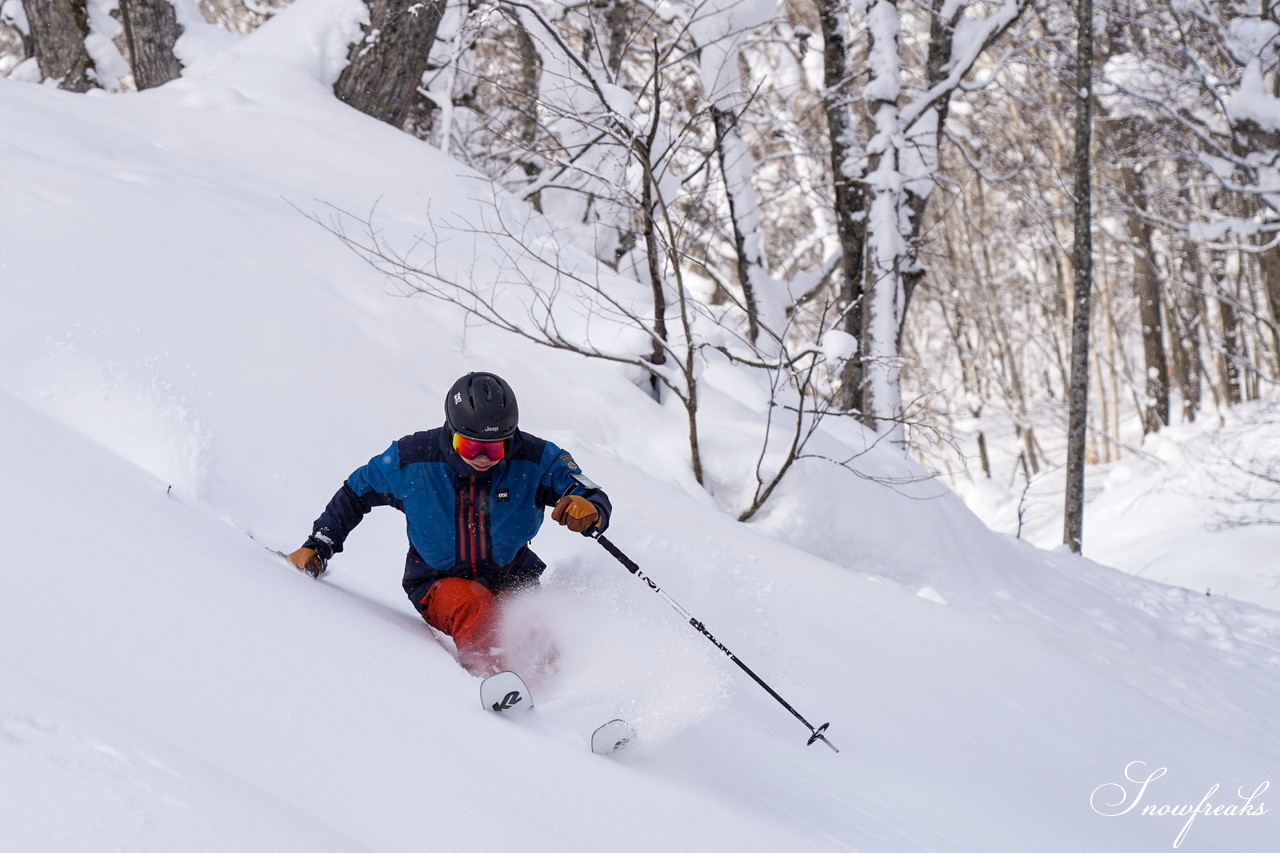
[
  {"x": 564, "y": 477},
  {"x": 370, "y": 485}
]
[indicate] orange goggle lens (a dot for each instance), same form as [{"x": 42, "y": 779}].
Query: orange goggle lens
[{"x": 472, "y": 448}]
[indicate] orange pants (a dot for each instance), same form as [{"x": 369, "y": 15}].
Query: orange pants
[{"x": 468, "y": 612}]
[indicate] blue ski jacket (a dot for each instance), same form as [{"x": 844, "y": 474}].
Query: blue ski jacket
[{"x": 460, "y": 522}]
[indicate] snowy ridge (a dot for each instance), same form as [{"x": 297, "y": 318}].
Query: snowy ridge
[{"x": 189, "y": 367}]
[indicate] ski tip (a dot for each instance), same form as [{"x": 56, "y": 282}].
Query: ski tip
[
  {"x": 503, "y": 692},
  {"x": 613, "y": 736}
]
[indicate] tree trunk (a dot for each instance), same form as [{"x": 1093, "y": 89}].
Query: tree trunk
[
  {"x": 1188, "y": 316},
  {"x": 151, "y": 30},
  {"x": 1082, "y": 260},
  {"x": 653, "y": 258},
  {"x": 848, "y": 191},
  {"x": 386, "y": 66},
  {"x": 58, "y": 31},
  {"x": 927, "y": 144},
  {"x": 1186, "y": 355},
  {"x": 1269, "y": 272},
  {"x": 617, "y": 21},
  {"x": 1229, "y": 372},
  {"x": 10, "y": 34},
  {"x": 526, "y": 129},
  {"x": 886, "y": 250},
  {"x": 1146, "y": 284},
  {"x": 744, "y": 215}
]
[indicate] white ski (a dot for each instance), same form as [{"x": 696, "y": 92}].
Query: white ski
[
  {"x": 612, "y": 736},
  {"x": 505, "y": 692}
]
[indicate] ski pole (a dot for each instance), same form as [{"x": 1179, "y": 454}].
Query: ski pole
[{"x": 818, "y": 734}]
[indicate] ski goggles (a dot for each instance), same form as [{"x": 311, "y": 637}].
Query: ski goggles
[{"x": 473, "y": 448}]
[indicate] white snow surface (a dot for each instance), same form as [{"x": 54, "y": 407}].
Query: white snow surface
[
  {"x": 1196, "y": 505},
  {"x": 189, "y": 366}
]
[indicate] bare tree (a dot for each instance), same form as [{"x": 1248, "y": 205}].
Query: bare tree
[
  {"x": 14, "y": 43},
  {"x": 1082, "y": 262},
  {"x": 1146, "y": 274},
  {"x": 386, "y": 67},
  {"x": 58, "y": 32},
  {"x": 901, "y": 170},
  {"x": 659, "y": 139},
  {"x": 848, "y": 202},
  {"x": 151, "y": 30},
  {"x": 1202, "y": 81}
]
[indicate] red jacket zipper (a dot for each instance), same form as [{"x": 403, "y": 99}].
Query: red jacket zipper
[
  {"x": 473, "y": 525},
  {"x": 482, "y": 512}
]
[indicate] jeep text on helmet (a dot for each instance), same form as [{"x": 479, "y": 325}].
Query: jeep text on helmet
[{"x": 481, "y": 405}]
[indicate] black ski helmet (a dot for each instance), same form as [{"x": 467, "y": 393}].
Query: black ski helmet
[{"x": 483, "y": 406}]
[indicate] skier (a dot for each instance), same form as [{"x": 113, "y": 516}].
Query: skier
[{"x": 473, "y": 493}]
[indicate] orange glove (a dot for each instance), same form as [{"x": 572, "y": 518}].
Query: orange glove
[
  {"x": 307, "y": 560},
  {"x": 576, "y": 513}
]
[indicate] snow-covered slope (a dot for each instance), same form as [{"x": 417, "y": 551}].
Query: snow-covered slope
[
  {"x": 171, "y": 685},
  {"x": 1195, "y": 505},
  {"x": 188, "y": 364}
]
